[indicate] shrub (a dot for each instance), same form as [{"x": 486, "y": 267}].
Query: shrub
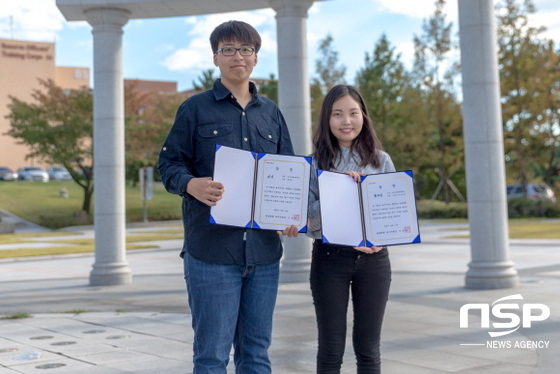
[
  {"x": 517, "y": 208},
  {"x": 165, "y": 215},
  {"x": 520, "y": 207},
  {"x": 55, "y": 222},
  {"x": 438, "y": 209}
]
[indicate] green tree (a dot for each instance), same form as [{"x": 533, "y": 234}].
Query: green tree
[
  {"x": 148, "y": 118},
  {"x": 270, "y": 88},
  {"x": 206, "y": 81},
  {"x": 529, "y": 77},
  {"x": 383, "y": 81},
  {"x": 548, "y": 119},
  {"x": 326, "y": 66},
  {"x": 435, "y": 72},
  {"x": 329, "y": 74},
  {"x": 57, "y": 128},
  {"x": 545, "y": 128}
]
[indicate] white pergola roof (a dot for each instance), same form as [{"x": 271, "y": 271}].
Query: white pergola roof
[{"x": 73, "y": 10}]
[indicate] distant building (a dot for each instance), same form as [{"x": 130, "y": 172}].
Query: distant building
[
  {"x": 22, "y": 63},
  {"x": 148, "y": 86}
]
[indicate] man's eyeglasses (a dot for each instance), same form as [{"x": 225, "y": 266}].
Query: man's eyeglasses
[{"x": 231, "y": 51}]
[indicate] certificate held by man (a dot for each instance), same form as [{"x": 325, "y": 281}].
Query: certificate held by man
[{"x": 261, "y": 190}]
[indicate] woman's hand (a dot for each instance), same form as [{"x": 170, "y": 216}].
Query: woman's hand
[
  {"x": 355, "y": 175},
  {"x": 290, "y": 232},
  {"x": 369, "y": 250}
]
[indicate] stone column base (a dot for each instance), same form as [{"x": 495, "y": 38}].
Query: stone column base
[
  {"x": 491, "y": 275},
  {"x": 110, "y": 274},
  {"x": 295, "y": 270}
]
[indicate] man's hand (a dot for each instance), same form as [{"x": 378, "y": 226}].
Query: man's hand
[
  {"x": 369, "y": 250},
  {"x": 205, "y": 190},
  {"x": 291, "y": 231}
]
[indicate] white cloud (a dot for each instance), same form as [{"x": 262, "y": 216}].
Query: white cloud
[
  {"x": 551, "y": 20},
  {"x": 269, "y": 44},
  {"x": 197, "y": 53},
  {"x": 418, "y": 8},
  {"x": 184, "y": 59},
  {"x": 315, "y": 8},
  {"x": 406, "y": 50},
  {"x": 37, "y": 20}
]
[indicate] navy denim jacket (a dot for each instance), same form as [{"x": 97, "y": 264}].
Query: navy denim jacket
[{"x": 202, "y": 121}]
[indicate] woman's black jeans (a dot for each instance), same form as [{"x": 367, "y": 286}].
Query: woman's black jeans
[{"x": 335, "y": 271}]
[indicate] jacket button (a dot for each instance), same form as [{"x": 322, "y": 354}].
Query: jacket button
[
  {"x": 270, "y": 136},
  {"x": 215, "y": 132}
]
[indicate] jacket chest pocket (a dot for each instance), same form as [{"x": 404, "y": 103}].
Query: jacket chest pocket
[
  {"x": 267, "y": 135},
  {"x": 213, "y": 131},
  {"x": 211, "y": 134}
]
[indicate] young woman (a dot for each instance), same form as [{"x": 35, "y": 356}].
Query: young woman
[{"x": 345, "y": 141}]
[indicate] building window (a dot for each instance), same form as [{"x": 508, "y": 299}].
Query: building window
[{"x": 81, "y": 74}]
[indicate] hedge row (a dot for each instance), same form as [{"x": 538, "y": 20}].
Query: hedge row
[{"x": 517, "y": 208}]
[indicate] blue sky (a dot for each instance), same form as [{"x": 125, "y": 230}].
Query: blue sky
[{"x": 177, "y": 49}]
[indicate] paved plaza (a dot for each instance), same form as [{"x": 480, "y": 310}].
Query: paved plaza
[{"x": 144, "y": 327}]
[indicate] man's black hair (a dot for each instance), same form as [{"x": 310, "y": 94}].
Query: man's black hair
[{"x": 235, "y": 31}]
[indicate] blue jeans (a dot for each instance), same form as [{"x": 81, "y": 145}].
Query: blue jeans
[{"x": 231, "y": 305}]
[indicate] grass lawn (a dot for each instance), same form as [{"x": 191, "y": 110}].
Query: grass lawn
[
  {"x": 534, "y": 229},
  {"x": 40, "y": 203},
  {"x": 525, "y": 229},
  {"x": 58, "y": 245}
]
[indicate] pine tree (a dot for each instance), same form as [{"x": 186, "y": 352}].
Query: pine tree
[
  {"x": 435, "y": 72},
  {"x": 530, "y": 82}
]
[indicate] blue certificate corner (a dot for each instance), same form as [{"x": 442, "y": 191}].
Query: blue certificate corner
[
  {"x": 409, "y": 173},
  {"x": 416, "y": 239},
  {"x": 362, "y": 178},
  {"x": 218, "y": 147},
  {"x": 303, "y": 229},
  {"x": 319, "y": 172},
  {"x": 260, "y": 155},
  {"x": 324, "y": 239},
  {"x": 369, "y": 244},
  {"x": 255, "y": 225},
  {"x": 249, "y": 225},
  {"x": 309, "y": 160},
  {"x": 212, "y": 220}
]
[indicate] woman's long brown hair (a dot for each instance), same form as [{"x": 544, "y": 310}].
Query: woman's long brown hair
[{"x": 326, "y": 148}]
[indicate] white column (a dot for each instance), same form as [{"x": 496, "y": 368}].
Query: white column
[
  {"x": 490, "y": 266},
  {"x": 294, "y": 102},
  {"x": 110, "y": 267}
]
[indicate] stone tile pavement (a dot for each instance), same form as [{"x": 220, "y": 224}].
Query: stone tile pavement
[{"x": 144, "y": 327}]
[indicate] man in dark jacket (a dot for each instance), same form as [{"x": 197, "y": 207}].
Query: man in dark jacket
[{"x": 231, "y": 273}]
